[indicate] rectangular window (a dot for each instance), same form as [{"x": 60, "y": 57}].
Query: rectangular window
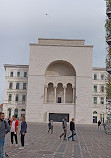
[
  {"x": 102, "y": 77},
  {"x": 24, "y": 85},
  {"x": 23, "y": 98},
  {"x": 10, "y": 85},
  {"x": 102, "y": 100},
  {"x": 95, "y": 88},
  {"x": 59, "y": 99},
  {"x": 25, "y": 74},
  {"x": 17, "y": 97},
  {"x": 11, "y": 74},
  {"x": 10, "y": 97},
  {"x": 95, "y": 76},
  {"x": 17, "y": 85},
  {"x": 102, "y": 89},
  {"x": 95, "y": 100},
  {"x": 18, "y": 74}
]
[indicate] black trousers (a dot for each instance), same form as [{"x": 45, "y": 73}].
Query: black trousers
[
  {"x": 22, "y": 139},
  {"x": 15, "y": 135}
]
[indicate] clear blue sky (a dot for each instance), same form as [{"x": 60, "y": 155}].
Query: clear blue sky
[{"x": 24, "y": 21}]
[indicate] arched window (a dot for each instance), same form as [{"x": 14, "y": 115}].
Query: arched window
[
  {"x": 16, "y": 112},
  {"x": 23, "y": 110},
  {"x": 50, "y": 93},
  {"x": 9, "y": 111},
  {"x": 69, "y": 93}
]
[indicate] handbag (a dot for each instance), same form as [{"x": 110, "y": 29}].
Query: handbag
[{"x": 74, "y": 132}]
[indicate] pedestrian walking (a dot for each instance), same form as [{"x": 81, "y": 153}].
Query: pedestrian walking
[
  {"x": 23, "y": 131},
  {"x": 9, "y": 120},
  {"x": 72, "y": 129},
  {"x": 4, "y": 129},
  {"x": 64, "y": 126},
  {"x": 99, "y": 124},
  {"x": 14, "y": 128}
]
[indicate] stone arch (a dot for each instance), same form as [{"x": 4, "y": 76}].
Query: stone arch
[
  {"x": 50, "y": 93},
  {"x": 69, "y": 93},
  {"x": 95, "y": 112},
  {"x": 60, "y": 68}
]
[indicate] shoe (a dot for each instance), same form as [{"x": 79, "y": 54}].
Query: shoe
[
  {"x": 21, "y": 148},
  {"x": 16, "y": 145},
  {"x": 73, "y": 140}
]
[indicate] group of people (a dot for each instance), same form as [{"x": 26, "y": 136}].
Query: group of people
[
  {"x": 103, "y": 124},
  {"x": 64, "y": 126},
  {"x": 12, "y": 127},
  {"x": 72, "y": 129}
]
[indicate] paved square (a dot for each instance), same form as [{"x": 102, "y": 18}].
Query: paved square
[{"x": 90, "y": 143}]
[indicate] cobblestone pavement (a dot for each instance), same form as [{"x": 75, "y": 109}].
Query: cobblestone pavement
[{"x": 90, "y": 143}]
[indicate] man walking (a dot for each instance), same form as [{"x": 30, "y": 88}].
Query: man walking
[
  {"x": 64, "y": 126},
  {"x": 4, "y": 129},
  {"x": 23, "y": 131},
  {"x": 14, "y": 128},
  {"x": 72, "y": 129},
  {"x": 50, "y": 125}
]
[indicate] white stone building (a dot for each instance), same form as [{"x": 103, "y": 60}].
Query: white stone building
[
  {"x": 60, "y": 81},
  {"x": 16, "y": 80},
  {"x": 99, "y": 80}
]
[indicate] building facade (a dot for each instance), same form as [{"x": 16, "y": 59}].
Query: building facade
[
  {"x": 60, "y": 81},
  {"x": 15, "y": 96},
  {"x": 99, "y": 81}
]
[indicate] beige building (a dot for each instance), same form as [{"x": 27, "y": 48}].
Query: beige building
[
  {"x": 60, "y": 81},
  {"x": 15, "y": 96},
  {"x": 99, "y": 80}
]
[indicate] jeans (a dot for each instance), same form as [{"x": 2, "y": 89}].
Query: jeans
[
  {"x": 72, "y": 135},
  {"x": 1, "y": 147},
  {"x": 22, "y": 139},
  {"x": 15, "y": 135}
]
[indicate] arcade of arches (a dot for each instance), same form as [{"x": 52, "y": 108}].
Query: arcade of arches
[{"x": 60, "y": 83}]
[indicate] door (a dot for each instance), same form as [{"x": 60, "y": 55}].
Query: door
[{"x": 94, "y": 119}]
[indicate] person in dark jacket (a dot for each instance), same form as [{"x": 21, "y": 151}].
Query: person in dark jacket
[
  {"x": 72, "y": 129},
  {"x": 4, "y": 129},
  {"x": 64, "y": 126},
  {"x": 23, "y": 131}
]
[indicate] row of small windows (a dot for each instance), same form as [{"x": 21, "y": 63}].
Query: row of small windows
[
  {"x": 18, "y": 74},
  {"x": 17, "y": 98},
  {"x": 17, "y": 85},
  {"x": 102, "y": 89},
  {"x": 96, "y": 77},
  {"x": 101, "y": 100}
]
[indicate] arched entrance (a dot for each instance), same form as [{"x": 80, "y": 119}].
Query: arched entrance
[{"x": 60, "y": 87}]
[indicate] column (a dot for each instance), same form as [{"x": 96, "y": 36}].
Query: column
[
  {"x": 64, "y": 94},
  {"x": 45, "y": 94},
  {"x": 74, "y": 96},
  {"x": 55, "y": 93}
]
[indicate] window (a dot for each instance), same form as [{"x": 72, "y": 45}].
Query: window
[
  {"x": 95, "y": 76},
  {"x": 95, "y": 112},
  {"x": 11, "y": 74},
  {"x": 10, "y": 85},
  {"x": 59, "y": 99},
  {"x": 10, "y": 97},
  {"x": 102, "y": 100},
  {"x": 17, "y": 85},
  {"x": 18, "y": 74},
  {"x": 102, "y": 77},
  {"x": 24, "y": 98},
  {"x": 24, "y": 85},
  {"x": 102, "y": 89},
  {"x": 25, "y": 74},
  {"x": 95, "y": 88},
  {"x": 17, "y": 97},
  {"x": 95, "y": 100}
]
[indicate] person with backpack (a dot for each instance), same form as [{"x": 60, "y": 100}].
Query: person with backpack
[
  {"x": 64, "y": 126},
  {"x": 72, "y": 129},
  {"x": 4, "y": 129},
  {"x": 23, "y": 131}
]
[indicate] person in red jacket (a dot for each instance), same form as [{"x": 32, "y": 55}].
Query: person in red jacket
[{"x": 13, "y": 129}]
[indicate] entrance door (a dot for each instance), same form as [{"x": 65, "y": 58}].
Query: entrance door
[
  {"x": 58, "y": 117},
  {"x": 94, "y": 119}
]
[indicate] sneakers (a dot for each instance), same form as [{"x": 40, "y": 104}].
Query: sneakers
[
  {"x": 21, "y": 148},
  {"x": 16, "y": 145}
]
